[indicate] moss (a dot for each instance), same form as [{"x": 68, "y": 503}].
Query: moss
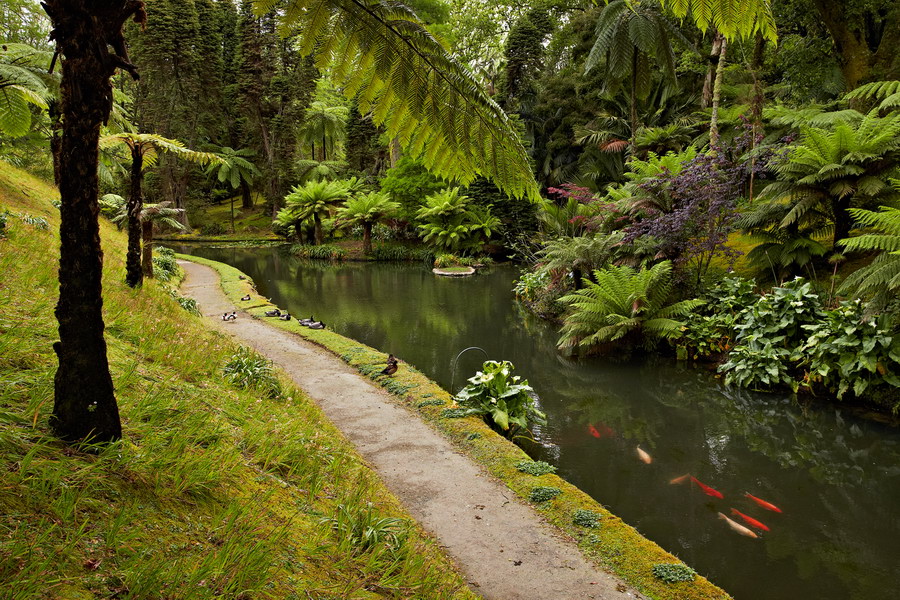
[{"x": 617, "y": 546}]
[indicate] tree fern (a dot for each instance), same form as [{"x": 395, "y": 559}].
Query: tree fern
[
  {"x": 399, "y": 72},
  {"x": 23, "y": 83},
  {"x": 621, "y": 302},
  {"x": 887, "y": 93},
  {"x": 880, "y": 279},
  {"x": 732, "y": 18}
]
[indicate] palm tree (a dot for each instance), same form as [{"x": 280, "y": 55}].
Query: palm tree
[
  {"x": 145, "y": 148},
  {"x": 313, "y": 199},
  {"x": 367, "y": 210},
  {"x": 830, "y": 171},
  {"x": 237, "y": 171},
  {"x": 323, "y": 125},
  {"x": 629, "y": 36},
  {"x": 116, "y": 208},
  {"x": 622, "y": 303}
]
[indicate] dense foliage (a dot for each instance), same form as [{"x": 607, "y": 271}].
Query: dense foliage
[{"x": 506, "y": 398}]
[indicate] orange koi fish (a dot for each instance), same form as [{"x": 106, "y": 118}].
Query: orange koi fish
[
  {"x": 708, "y": 490},
  {"x": 593, "y": 431},
  {"x": 763, "y": 503},
  {"x": 749, "y": 520},
  {"x": 645, "y": 458},
  {"x": 678, "y": 480},
  {"x": 738, "y": 527}
]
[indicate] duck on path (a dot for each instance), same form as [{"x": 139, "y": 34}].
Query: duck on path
[
  {"x": 245, "y": 298},
  {"x": 229, "y": 317}
]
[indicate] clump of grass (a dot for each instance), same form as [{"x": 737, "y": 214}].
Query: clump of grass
[
  {"x": 543, "y": 494},
  {"x": 188, "y": 304},
  {"x": 323, "y": 252},
  {"x": 247, "y": 369},
  {"x": 431, "y": 402},
  {"x": 36, "y": 222},
  {"x": 454, "y": 413},
  {"x": 673, "y": 572},
  {"x": 395, "y": 387},
  {"x": 586, "y": 518},
  {"x": 388, "y": 252},
  {"x": 473, "y": 436},
  {"x": 165, "y": 267},
  {"x": 536, "y": 468}
]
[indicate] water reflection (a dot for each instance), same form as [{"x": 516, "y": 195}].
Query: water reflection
[{"x": 836, "y": 477}]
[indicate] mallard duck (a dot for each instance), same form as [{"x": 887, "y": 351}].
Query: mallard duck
[
  {"x": 273, "y": 313},
  {"x": 307, "y": 322},
  {"x": 245, "y": 298},
  {"x": 316, "y": 325},
  {"x": 229, "y": 317},
  {"x": 241, "y": 277},
  {"x": 285, "y": 317},
  {"x": 390, "y": 369}
]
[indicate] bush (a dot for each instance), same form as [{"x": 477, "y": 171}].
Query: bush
[
  {"x": 530, "y": 283},
  {"x": 710, "y": 330},
  {"x": 165, "y": 265},
  {"x": 213, "y": 229},
  {"x": 248, "y": 370},
  {"x": 495, "y": 393}
]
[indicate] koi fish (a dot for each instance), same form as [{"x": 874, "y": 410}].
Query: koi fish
[
  {"x": 593, "y": 431},
  {"x": 749, "y": 520},
  {"x": 763, "y": 503},
  {"x": 738, "y": 527},
  {"x": 708, "y": 490},
  {"x": 645, "y": 458},
  {"x": 678, "y": 480}
]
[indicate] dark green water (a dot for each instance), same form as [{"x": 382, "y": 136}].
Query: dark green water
[{"x": 836, "y": 477}]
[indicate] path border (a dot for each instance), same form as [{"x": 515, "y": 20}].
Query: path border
[{"x": 613, "y": 546}]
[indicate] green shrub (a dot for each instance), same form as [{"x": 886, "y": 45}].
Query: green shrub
[
  {"x": 213, "y": 229},
  {"x": 710, "y": 330},
  {"x": 530, "y": 283},
  {"x": 399, "y": 252},
  {"x": 586, "y": 518},
  {"x": 247, "y": 369},
  {"x": 165, "y": 265},
  {"x": 535, "y": 467},
  {"x": 673, "y": 572},
  {"x": 507, "y": 399},
  {"x": 543, "y": 494}
]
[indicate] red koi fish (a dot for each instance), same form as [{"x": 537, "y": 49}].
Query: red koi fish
[
  {"x": 593, "y": 431},
  {"x": 763, "y": 503},
  {"x": 737, "y": 527},
  {"x": 749, "y": 520},
  {"x": 643, "y": 456},
  {"x": 678, "y": 480},
  {"x": 706, "y": 489}
]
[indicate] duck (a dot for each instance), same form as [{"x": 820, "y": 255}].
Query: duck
[
  {"x": 390, "y": 369},
  {"x": 316, "y": 325},
  {"x": 245, "y": 298},
  {"x": 241, "y": 277},
  {"x": 307, "y": 322},
  {"x": 273, "y": 313},
  {"x": 285, "y": 317},
  {"x": 229, "y": 317}
]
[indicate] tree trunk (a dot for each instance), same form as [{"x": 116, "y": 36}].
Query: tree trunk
[
  {"x": 576, "y": 278},
  {"x": 717, "y": 95},
  {"x": 396, "y": 152},
  {"x": 367, "y": 238},
  {"x": 232, "y": 214},
  {"x": 147, "y": 234},
  {"x": 633, "y": 99},
  {"x": 84, "y": 404},
  {"x": 133, "y": 274},
  {"x": 756, "y": 104},
  {"x": 707, "y": 94},
  {"x": 247, "y": 202},
  {"x": 842, "y": 220},
  {"x": 320, "y": 237}
]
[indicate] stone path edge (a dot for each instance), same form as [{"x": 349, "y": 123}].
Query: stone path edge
[{"x": 615, "y": 546}]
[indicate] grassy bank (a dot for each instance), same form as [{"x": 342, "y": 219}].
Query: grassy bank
[
  {"x": 602, "y": 536},
  {"x": 216, "y": 491}
]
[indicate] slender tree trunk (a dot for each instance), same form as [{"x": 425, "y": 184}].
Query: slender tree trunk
[
  {"x": 842, "y": 221},
  {"x": 367, "y": 238},
  {"x": 707, "y": 94},
  {"x": 396, "y": 152},
  {"x": 232, "y": 214},
  {"x": 147, "y": 234},
  {"x": 633, "y": 99},
  {"x": 756, "y": 106},
  {"x": 247, "y": 197},
  {"x": 576, "y": 278},
  {"x": 84, "y": 401},
  {"x": 133, "y": 274},
  {"x": 717, "y": 96}
]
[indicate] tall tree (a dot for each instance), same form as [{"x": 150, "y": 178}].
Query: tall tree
[{"x": 84, "y": 32}]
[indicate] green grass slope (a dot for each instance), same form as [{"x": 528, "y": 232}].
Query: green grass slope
[{"x": 214, "y": 492}]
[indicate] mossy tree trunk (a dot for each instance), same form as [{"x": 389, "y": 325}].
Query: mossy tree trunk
[
  {"x": 320, "y": 236},
  {"x": 367, "y": 237},
  {"x": 84, "y": 402},
  {"x": 133, "y": 274},
  {"x": 246, "y": 196}
]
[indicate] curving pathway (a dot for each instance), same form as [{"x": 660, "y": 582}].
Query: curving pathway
[{"x": 503, "y": 547}]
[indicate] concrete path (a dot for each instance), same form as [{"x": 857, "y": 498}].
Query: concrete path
[{"x": 501, "y": 545}]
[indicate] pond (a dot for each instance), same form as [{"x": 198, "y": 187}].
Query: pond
[{"x": 836, "y": 477}]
